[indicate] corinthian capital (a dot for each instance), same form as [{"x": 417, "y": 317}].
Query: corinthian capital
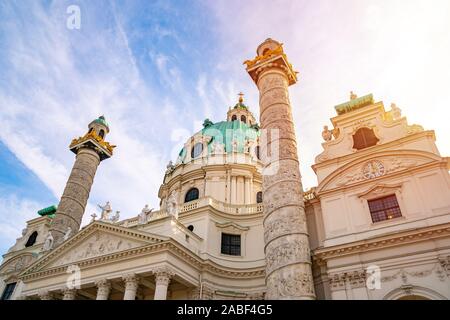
[
  {"x": 163, "y": 275},
  {"x": 131, "y": 280}
]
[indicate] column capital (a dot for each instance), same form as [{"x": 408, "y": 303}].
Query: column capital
[
  {"x": 270, "y": 55},
  {"x": 69, "y": 294},
  {"x": 103, "y": 283},
  {"x": 103, "y": 289},
  {"x": 45, "y": 295},
  {"x": 131, "y": 281},
  {"x": 163, "y": 275}
]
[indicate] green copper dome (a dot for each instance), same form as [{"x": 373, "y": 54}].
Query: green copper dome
[
  {"x": 225, "y": 133},
  {"x": 102, "y": 120}
]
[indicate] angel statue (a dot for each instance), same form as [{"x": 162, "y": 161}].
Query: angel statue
[
  {"x": 48, "y": 243},
  {"x": 143, "y": 215},
  {"x": 106, "y": 210}
]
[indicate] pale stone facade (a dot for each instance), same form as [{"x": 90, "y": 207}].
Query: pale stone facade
[{"x": 227, "y": 229}]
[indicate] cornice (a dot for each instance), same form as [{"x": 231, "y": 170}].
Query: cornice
[
  {"x": 167, "y": 246},
  {"x": 321, "y": 254}
]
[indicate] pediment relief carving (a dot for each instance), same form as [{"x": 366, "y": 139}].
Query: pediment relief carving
[
  {"x": 17, "y": 264},
  {"x": 98, "y": 244},
  {"x": 374, "y": 167},
  {"x": 97, "y": 239}
]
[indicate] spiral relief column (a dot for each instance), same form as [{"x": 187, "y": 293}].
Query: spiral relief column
[
  {"x": 90, "y": 150},
  {"x": 288, "y": 262}
]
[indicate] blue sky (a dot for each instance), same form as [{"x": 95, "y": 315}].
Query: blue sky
[{"x": 157, "y": 69}]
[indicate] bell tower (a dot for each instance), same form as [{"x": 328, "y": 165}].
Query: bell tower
[
  {"x": 90, "y": 150},
  {"x": 288, "y": 261}
]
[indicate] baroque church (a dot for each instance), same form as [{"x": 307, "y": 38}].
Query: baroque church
[{"x": 235, "y": 223}]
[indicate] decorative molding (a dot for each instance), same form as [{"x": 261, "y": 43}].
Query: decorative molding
[
  {"x": 232, "y": 226},
  {"x": 323, "y": 254}
]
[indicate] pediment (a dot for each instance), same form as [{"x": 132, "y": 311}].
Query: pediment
[
  {"x": 17, "y": 264},
  {"x": 97, "y": 239},
  {"x": 384, "y": 163}
]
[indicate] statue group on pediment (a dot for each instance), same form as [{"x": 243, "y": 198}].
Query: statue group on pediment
[{"x": 106, "y": 213}]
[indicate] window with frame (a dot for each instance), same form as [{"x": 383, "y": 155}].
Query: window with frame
[
  {"x": 385, "y": 208},
  {"x": 364, "y": 138},
  {"x": 259, "y": 197},
  {"x": 196, "y": 150},
  {"x": 231, "y": 244},
  {"x": 9, "y": 289},
  {"x": 191, "y": 195}
]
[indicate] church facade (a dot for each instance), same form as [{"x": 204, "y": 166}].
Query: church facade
[{"x": 376, "y": 226}]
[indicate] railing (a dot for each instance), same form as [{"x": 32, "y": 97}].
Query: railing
[
  {"x": 238, "y": 209},
  {"x": 135, "y": 221},
  {"x": 221, "y": 206}
]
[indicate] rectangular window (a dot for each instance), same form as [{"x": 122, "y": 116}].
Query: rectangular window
[
  {"x": 9, "y": 289},
  {"x": 385, "y": 208},
  {"x": 231, "y": 244}
]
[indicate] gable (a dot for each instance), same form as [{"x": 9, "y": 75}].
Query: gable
[
  {"x": 97, "y": 239},
  {"x": 389, "y": 162}
]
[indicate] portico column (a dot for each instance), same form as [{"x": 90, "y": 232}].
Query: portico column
[
  {"x": 45, "y": 295},
  {"x": 162, "y": 280},
  {"x": 131, "y": 285},
  {"x": 103, "y": 289},
  {"x": 69, "y": 294}
]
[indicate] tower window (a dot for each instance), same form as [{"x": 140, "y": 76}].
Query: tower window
[
  {"x": 196, "y": 150},
  {"x": 31, "y": 239},
  {"x": 234, "y": 117},
  {"x": 231, "y": 244},
  {"x": 259, "y": 198},
  {"x": 258, "y": 152},
  {"x": 191, "y": 228},
  {"x": 102, "y": 133},
  {"x": 9, "y": 289},
  {"x": 364, "y": 138},
  {"x": 243, "y": 119},
  {"x": 191, "y": 195},
  {"x": 385, "y": 208}
]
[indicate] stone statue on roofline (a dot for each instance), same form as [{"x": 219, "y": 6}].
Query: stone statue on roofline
[
  {"x": 327, "y": 134},
  {"x": 106, "y": 210},
  {"x": 143, "y": 218}
]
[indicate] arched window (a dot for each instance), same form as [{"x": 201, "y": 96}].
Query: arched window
[
  {"x": 196, "y": 150},
  {"x": 259, "y": 197},
  {"x": 257, "y": 151},
  {"x": 234, "y": 117},
  {"x": 31, "y": 239},
  {"x": 102, "y": 133},
  {"x": 364, "y": 138},
  {"x": 191, "y": 195},
  {"x": 243, "y": 119}
]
